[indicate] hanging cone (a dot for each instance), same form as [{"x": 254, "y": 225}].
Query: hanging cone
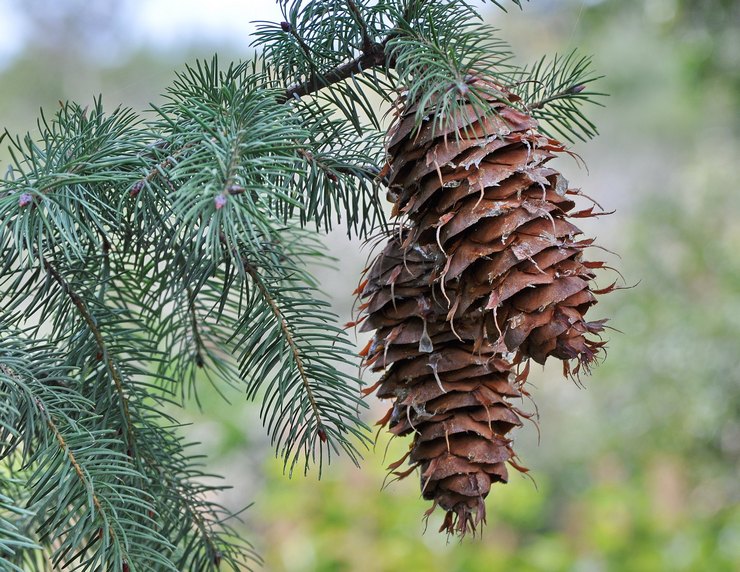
[{"x": 483, "y": 272}]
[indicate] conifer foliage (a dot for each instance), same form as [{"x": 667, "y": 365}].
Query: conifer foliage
[{"x": 141, "y": 254}]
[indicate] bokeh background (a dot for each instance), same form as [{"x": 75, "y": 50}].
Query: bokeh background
[{"x": 635, "y": 471}]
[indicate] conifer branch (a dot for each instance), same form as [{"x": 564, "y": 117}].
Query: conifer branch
[
  {"x": 199, "y": 346},
  {"x": 373, "y": 57},
  {"x": 553, "y": 90},
  {"x": 103, "y": 352},
  {"x": 160, "y": 168},
  {"x": 67, "y": 451},
  {"x": 196, "y": 517},
  {"x": 297, "y": 356},
  {"x": 367, "y": 42},
  {"x": 573, "y": 90},
  {"x": 232, "y": 177}
]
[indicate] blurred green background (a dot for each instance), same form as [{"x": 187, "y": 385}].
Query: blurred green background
[{"x": 636, "y": 471}]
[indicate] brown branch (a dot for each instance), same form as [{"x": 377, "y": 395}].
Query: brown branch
[
  {"x": 573, "y": 90},
  {"x": 62, "y": 443},
  {"x": 301, "y": 42},
  {"x": 159, "y": 168},
  {"x": 204, "y": 526},
  {"x": 76, "y": 466},
  {"x": 288, "y": 335},
  {"x": 366, "y": 171},
  {"x": 374, "y": 57},
  {"x": 252, "y": 271},
  {"x": 199, "y": 345},
  {"x": 102, "y": 347},
  {"x": 71, "y": 456},
  {"x": 367, "y": 43},
  {"x": 297, "y": 357}
]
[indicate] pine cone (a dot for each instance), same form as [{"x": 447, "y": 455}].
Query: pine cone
[{"x": 483, "y": 273}]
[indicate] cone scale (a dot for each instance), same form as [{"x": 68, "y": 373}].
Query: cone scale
[{"x": 483, "y": 272}]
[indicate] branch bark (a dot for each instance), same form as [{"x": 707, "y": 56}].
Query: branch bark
[
  {"x": 374, "y": 57},
  {"x": 104, "y": 354}
]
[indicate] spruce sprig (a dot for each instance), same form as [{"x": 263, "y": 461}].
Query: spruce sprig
[
  {"x": 554, "y": 90},
  {"x": 143, "y": 253}
]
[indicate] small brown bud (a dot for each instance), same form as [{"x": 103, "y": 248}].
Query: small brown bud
[
  {"x": 136, "y": 188},
  {"x": 286, "y": 27},
  {"x": 235, "y": 189}
]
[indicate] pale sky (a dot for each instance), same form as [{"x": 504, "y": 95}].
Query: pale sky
[
  {"x": 164, "y": 23},
  {"x": 165, "y": 20}
]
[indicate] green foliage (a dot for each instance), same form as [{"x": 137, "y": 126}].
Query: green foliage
[
  {"x": 434, "y": 51},
  {"x": 118, "y": 255},
  {"x": 439, "y": 66},
  {"x": 141, "y": 253},
  {"x": 554, "y": 91}
]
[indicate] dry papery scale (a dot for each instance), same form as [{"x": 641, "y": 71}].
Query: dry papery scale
[{"x": 483, "y": 271}]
